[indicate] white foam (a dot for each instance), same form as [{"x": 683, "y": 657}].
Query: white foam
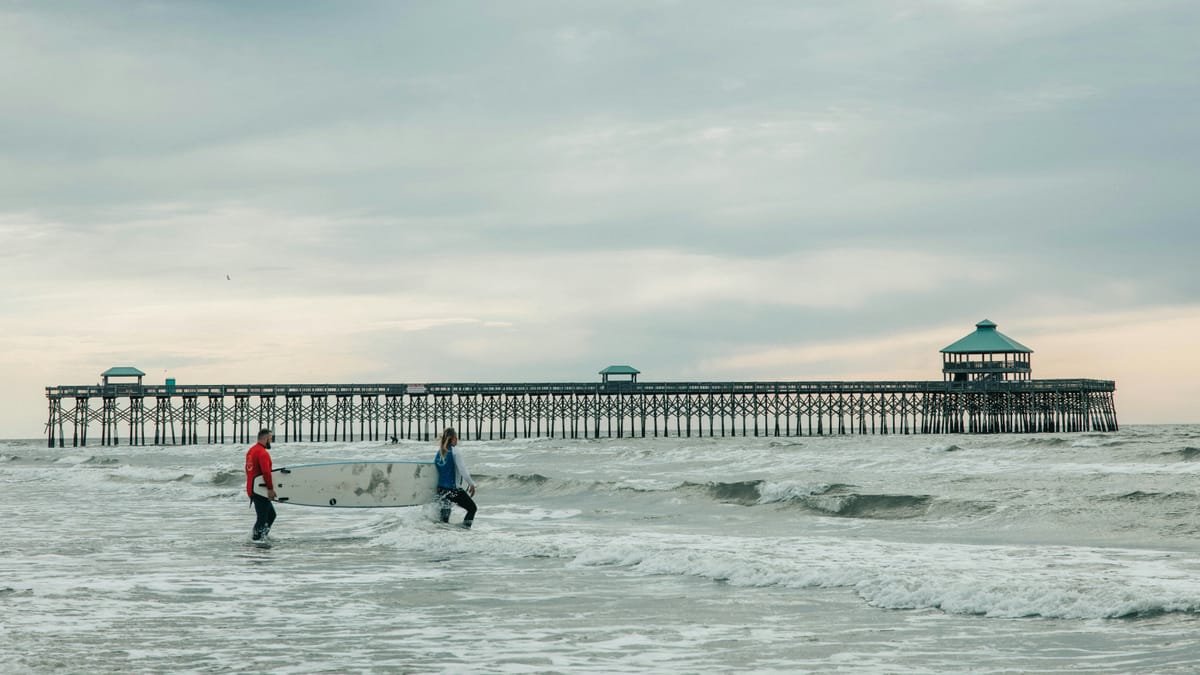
[
  {"x": 1068, "y": 583},
  {"x": 526, "y": 514},
  {"x": 784, "y": 491}
]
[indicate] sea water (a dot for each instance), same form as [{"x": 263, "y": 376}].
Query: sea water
[{"x": 858, "y": 554}]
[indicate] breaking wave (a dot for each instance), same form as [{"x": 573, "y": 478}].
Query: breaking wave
[
  {"x": 854, "y": 505},
  {"x": 841, "y": 500},
  {"x": 101, "y": 461},
  {"x": 229, "y": 478},
  {"x": 1140, "y": 496},
  {"x": 834, "y": 499},
  {"x": 746, "y": 493},
  {"x": 1188, "y": 453}
]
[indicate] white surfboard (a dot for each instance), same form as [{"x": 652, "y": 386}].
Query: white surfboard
[{"x": 376, "y": 484}]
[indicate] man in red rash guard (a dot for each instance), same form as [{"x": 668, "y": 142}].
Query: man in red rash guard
[{"x": 258, "y": 463}]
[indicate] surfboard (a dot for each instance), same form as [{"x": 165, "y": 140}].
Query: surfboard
[{"x": 362, "y": 485}]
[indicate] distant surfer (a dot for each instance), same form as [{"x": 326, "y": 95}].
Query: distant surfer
[
  {"x": 258, "y": 463},
  {"x": 451, "y": 469}
]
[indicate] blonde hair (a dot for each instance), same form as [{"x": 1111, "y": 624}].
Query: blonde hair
[{"x": 444, "y": 440}]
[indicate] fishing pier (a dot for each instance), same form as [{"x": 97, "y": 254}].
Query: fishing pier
[{"x": 988, "y": 391}]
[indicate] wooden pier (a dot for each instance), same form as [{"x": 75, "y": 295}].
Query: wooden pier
[
  {"x": 987, "y": 388},
  {"x": 137, "y": 414}
]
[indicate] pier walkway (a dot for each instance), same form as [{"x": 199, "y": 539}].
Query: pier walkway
[{"x": 169, "y": 414}]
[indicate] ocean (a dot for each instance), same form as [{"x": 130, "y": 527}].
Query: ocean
[{"x": 855, "y": 554}]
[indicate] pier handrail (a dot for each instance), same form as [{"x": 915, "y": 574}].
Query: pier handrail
[
  {"x": 575, "y": 388},
  {"x": 986, "y": 365}
]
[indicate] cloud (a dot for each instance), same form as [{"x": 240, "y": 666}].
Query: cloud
[
  {"x": 530, "y": 190},
  {"x": 906, "y": 356}
]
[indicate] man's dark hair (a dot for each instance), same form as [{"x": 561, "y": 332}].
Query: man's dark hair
[{"x": 264, "y": 433}]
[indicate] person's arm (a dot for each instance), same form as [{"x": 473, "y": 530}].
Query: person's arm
[
  {"x": 462, "y": 470},
  {"x": 264, "y": 465}
]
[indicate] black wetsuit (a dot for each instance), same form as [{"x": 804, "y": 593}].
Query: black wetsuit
[{"x": 265, "y": 512}]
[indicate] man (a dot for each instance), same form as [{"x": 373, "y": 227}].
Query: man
[{"x": 258, "y": 463}]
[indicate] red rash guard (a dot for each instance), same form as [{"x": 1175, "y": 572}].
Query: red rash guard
[{"x": 258, "y": 463}]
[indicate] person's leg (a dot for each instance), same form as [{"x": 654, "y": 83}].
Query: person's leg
[
  {"x": 262, "y": 511},
  {"x": 444, "y": 497},
  {"x": 270, "y": 518},
  {"x": 464, "y": 500}
]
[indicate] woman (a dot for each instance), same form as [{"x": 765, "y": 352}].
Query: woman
[{"x": 451, "y": 469}]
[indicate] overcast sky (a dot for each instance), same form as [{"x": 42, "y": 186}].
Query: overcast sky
[{"x": 251, "y": 192}]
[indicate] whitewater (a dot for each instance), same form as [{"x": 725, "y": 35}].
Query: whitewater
[{"x": 854, "y": 554}]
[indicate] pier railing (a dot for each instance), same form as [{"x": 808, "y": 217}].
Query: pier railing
[
  {"x": 348, "y": 412},
  {"x": 976, "y": 366},
  {"x": 548, "y": 388}
]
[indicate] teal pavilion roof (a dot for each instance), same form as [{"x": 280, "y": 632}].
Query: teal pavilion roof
[
  {"x": 986, "y": 340},
  {"x": 620, "y": 370},
  {"x": 122, "y": 371}
]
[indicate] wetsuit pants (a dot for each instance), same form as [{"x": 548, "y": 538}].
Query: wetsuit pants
[
  {"x": 265, "y": 512},
  {"x": 460, "y": 497}
]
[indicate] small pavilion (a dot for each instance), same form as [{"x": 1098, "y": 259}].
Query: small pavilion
[
  {"x": 986, "y": 355},
  {"x": 122, "y": 372},
  {"x": 620, "y": 371}
]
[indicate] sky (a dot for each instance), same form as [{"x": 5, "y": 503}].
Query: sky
[{"x": 318, "y": 192}]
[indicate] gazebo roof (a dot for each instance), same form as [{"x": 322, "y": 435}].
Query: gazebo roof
[
  {"x": 122, "y": 371},
  {"x": 620, "y": 370},
  {"x": 986, "y": 340}
]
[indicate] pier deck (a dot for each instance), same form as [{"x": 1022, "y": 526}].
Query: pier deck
[{"x": 190, "y": 414}]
